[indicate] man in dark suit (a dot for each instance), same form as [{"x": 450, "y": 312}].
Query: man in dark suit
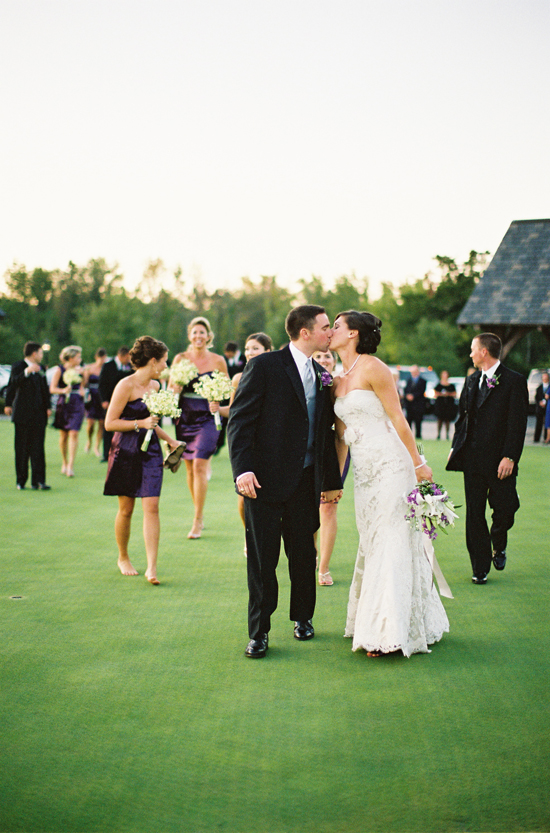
[
  {"x": 283, "y": 456},
  {"x": 28, "y": 404},
  {"x": 234, "y": 358},
  {"x": 415, "y": 403},
  {"x": 541, "y": 404},
  {"x": 487, "y": 445},
  {"x": 111, "y": 374}
]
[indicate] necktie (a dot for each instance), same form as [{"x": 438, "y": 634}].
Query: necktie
[
  {"x": 309, "y": 382},
  {"x": 309, "y": 390}
]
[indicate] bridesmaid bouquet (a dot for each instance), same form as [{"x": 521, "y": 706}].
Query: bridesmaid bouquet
[
  {"x": 181, "y": 373},
  {"x": 215, "y": 388},
  {"x": 71, "y": 377},
  {"x": 160, "y": 403},
  {"x": 430, "y": 509}
]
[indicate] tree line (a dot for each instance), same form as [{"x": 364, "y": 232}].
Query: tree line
[{"x": 90, "y": 306}]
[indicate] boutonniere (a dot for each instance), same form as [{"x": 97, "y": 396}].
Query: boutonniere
[
  {"x": 492, "y": 382},
  {"x": 325, "y": 379}
]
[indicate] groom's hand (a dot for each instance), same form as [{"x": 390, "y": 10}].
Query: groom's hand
[{"x": 247, "y": 484}]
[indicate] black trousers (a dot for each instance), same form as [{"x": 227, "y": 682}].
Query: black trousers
[
  {"x": 29, "y": 446},
  {"x": 479, "y": 488},
  {"x": 539, "y": 424},
  {"x": 415, "y": 418},
  {"x": 294, "y": 520}
]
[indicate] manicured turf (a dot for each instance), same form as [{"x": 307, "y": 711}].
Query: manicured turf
[{"x": 132, "y": 709}]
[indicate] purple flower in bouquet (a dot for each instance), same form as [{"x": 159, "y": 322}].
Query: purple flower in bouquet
[{"x": 492, "y": 382}]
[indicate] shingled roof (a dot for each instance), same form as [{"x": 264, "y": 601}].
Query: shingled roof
[
  {"x": 515, "y": 288},
  {"x": 513, "y": 296}
]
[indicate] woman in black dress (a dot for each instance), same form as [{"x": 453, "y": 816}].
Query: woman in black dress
[
  {"x": 445, "y": 403},
  {"x": 132, "y": 472}
]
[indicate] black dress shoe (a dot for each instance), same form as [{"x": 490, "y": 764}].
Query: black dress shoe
[
  {"x": 303, "y": 630},
  {"x": 42, "y": 487},
  {"x": 480, "y": 579},
  {"x": 499, "y": 559},
  {"x": 257, "y": 648}
]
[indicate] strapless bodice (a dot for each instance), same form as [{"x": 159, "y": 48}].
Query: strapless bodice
[{"x": 363, "y": 415}]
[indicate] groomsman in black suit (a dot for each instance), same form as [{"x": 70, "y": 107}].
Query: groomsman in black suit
[
  {"x": 541, "y": 404},
  {"x": 487, "y": 445},
  {"x": 111, "y": 374},
  {"x": 28, "y": 404},
  {"x": 283, "y": 455},
  {"x": 415, "y": 403}
]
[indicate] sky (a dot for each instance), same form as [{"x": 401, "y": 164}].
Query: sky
[{"x": 292, "y": 138}]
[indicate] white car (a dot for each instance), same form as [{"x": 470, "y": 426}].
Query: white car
[{"x": 5, "y": 370}]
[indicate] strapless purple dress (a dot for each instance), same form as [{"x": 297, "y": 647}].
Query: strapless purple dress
[
  {"x": 69, "y": 415},
  {"x": 196, "y": 426},
  {"x": 94, "y": 408},
  {"x": 132, "y": 472}
]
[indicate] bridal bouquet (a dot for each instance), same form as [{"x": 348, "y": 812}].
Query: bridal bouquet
[
  {"x": 215, "y": 388},
  {"x": 430, "y": 509},
  {"x": 71, "y": 377},
  {"x": 181, "y": 373},
  {"x": 160, "y": 403}
]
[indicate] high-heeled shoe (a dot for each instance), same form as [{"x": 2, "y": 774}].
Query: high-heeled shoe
[{"x": 325, "y": 579}]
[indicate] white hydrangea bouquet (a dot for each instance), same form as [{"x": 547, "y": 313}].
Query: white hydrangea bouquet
[
  {"x": 181, "y": 373},
  {"x": 215, "y": 388},
  {"x": 160, "y": 403},
  {"x": 71, "y": 377}
]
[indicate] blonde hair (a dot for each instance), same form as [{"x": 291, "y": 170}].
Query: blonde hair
[
  {"x": 206, "y": 324},
  {"x": 70, "y": 352}
]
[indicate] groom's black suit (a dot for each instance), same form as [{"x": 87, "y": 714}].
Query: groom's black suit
[
  {"x": 491, "y": 425},
  {"x": 268, "y": 435}
]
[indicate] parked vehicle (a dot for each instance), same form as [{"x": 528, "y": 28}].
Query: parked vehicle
[
  {"x": 5, "y": 370},
  {"x": 458, "y": 382},
  {"x": 427, "y": 373},
  {"x": 533, "y": 381}
]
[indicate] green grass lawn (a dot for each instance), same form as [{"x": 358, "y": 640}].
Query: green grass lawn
[{"x": 131, "y": 708}]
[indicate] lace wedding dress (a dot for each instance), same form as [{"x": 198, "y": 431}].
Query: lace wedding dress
[{"x": 393, "y": 603}]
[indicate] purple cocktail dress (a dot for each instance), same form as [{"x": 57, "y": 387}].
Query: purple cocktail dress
[
  {"x": 94, "y": 408},
  {"x": 132, "y": 472},
  {"x": 196, "y": 426},
  {"x": 69, "y": 415}
]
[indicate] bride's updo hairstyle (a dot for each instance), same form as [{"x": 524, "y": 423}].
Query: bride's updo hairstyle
[
  {"x": 368, "y": 327},
  {"x": 146, "y": 348}
]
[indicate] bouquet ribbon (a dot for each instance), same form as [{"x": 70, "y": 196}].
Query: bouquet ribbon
[{"x": 444, "y": 589}]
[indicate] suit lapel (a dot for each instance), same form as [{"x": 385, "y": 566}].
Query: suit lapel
[
  {"x": 473, "y": 388},
  {"x": 293, "y": 374}
]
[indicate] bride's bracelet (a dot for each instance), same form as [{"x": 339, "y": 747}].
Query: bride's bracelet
[{"x": 423, "y": 463}]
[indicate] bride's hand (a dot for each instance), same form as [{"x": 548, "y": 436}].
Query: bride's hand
[{"x": 424, "y": 473}]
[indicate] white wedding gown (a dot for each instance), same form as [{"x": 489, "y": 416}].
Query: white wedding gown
[{"x": 393, "y": 602}]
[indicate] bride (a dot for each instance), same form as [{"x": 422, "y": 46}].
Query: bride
[{"x": 393, "y": 603}]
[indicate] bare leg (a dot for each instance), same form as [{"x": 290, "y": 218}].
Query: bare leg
[
  {"x": 63, "y": 440},
  {"x": 240, "y": 504},
  {"x": 199, "y": 481},
  {"x": 123, "y": 522},
  {"x": 98, "y": 438},
  {"x": 89, "y": 434},
  {"x": 151, "y": 535},
  {"x": 73, "y": 445},
  {"x": 327, "y": 536}
]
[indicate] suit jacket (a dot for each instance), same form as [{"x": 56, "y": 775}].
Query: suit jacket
[
  {"x": 539, "y": 395},
  {"x": 494, "y": 427},
  {"x": 28, "y": 396},
  {"x": 417, "y": 388},
  {"x": 268, "y": 427},
  {"x": 109, "y": 378}
]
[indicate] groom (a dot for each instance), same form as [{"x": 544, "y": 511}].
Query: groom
[
  {"x": 487, "y": 445},
  {"x": 283, "y": 455}
]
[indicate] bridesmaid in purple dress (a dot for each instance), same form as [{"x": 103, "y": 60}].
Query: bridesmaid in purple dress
[
  {"x": 95, "y": 412},
  {"x": 196, "y": 425},
  {"x": 69, "y": 411},
  {"x": 131, "y": 472}
]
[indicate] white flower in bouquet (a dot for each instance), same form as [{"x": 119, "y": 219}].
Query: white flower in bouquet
[
  {"x": 215, "y": 388},
  {"x": 71, "y": 377},
  {"x": 181, "y": 373},
  {"x": 430, "y": 509},
  {"x": 160, "y": 403}
]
